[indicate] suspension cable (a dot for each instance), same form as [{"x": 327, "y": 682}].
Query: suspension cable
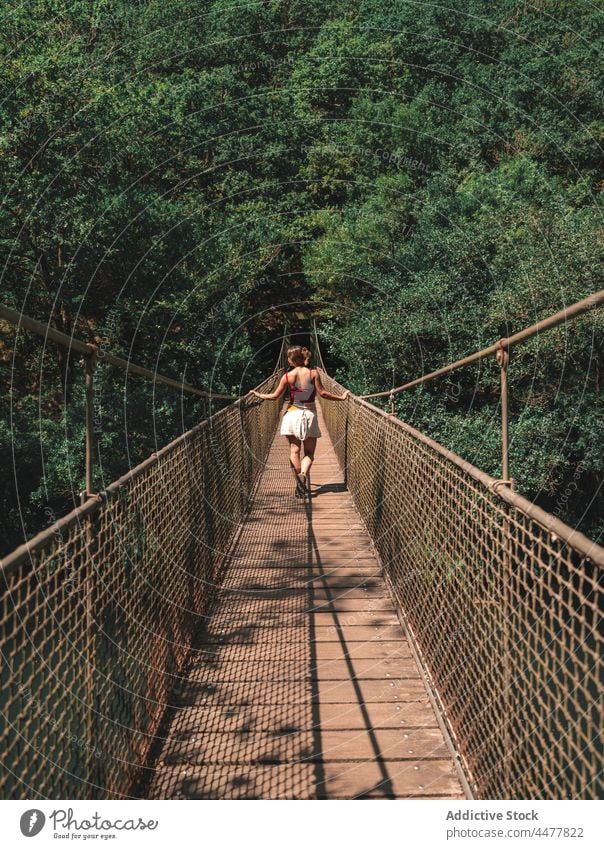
[{"x": 320, "y": 362}]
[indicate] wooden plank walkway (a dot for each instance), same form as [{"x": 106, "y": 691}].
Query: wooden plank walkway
[{"x": 303, "y": 686}]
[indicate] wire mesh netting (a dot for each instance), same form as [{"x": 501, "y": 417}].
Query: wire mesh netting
[
  {"x": 98, "y": 612},
  {"x": 505, "y": 612},
  {"x": 301, "y": 684},
  {"x": 503, "y": 602}
]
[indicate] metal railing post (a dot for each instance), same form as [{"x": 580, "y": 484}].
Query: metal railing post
[
  {"x": 503, "y": 358},
  {"x": 90, "y": 361}
]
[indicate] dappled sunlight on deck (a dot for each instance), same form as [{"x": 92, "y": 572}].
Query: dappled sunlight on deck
[{"x": 302, "y": 684}]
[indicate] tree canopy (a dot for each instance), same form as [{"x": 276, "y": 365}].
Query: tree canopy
[{"x": 178, "y": 176}]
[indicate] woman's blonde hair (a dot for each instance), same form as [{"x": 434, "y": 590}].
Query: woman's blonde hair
[{"x": 299, "y": 355}]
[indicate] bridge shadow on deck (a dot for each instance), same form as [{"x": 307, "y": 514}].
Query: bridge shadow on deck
[{"x": 301, "y": 684}]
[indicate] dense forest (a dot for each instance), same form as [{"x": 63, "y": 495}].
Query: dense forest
[{"x": 181, "y": 176}]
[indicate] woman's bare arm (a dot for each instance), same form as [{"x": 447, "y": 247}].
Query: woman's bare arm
[
  {"x": 270, "y": 396},
  {"x": 325, "y": 394}
]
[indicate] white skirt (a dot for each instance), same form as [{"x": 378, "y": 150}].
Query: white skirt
[{"x": 300, "y": 422}]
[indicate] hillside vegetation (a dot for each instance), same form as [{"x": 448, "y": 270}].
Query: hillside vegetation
[{"x": 178, "y": 175}]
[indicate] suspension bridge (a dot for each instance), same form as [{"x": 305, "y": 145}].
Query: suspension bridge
[{"x": 414, "y": 628}]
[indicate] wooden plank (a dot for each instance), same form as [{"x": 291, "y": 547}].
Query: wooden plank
[
  {"x": 302, "y": 559},
  {"x": 352, "y": 746},
  {"x": 295, "y": 781},
  {"x": 378, "y": 715},
  {"x": 233, "y": 633},
  {"x": 260, "y": 580},
  {"x": 277, "y": 618},
  {"x": 242, "y": 607},
  {"x": 431, "y": 779},
  {"x": 390, "y": 780},
  {"x": 303, "y": 650},
  {"x": 318, "y": 595},
  {"x": 331, "y": 669},
  {"x": 199, "y": 690},
  {"x": 272, "y": 573},
  {"x": 295, "y": 717},
  {"x": 306, "y": 670},
  {"x": 384, "y": 743},
  {"x": 377, "y": 589}
]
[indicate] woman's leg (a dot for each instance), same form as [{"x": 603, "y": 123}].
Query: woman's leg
[
  {"x": 294, "y": 453},
  {"x": 310, "y": 443}
]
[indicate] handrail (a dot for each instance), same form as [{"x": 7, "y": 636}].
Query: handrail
[
  {"x": 90, "y": 350},
  {"x": 588, "y": 547},
  {"x": 571, "y": 536},
  {"x": 92, "y": 354},
  {"x": 500, "y": 600},
  {"x": 319, "y": 357},
  {"x": 504, "y": 344},
  {"x": 281, "y": 356},
  {"x": 93, "y": 502},
  {"x": 501, "y": 350},
  {"x": 106, "y": 601}
]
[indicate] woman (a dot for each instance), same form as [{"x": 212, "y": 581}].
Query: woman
[{"x": 299, "y": 424}]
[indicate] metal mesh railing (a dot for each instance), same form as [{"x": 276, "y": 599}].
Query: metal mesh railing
[
  {"x": 503, "y": 603},
  {"x": 97, "y": 612}
]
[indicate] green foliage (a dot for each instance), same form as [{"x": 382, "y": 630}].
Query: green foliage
[{"x": 176, "y": 173}]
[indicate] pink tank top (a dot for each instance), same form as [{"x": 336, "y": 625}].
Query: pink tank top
[{"x": 298, "y": 395}]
